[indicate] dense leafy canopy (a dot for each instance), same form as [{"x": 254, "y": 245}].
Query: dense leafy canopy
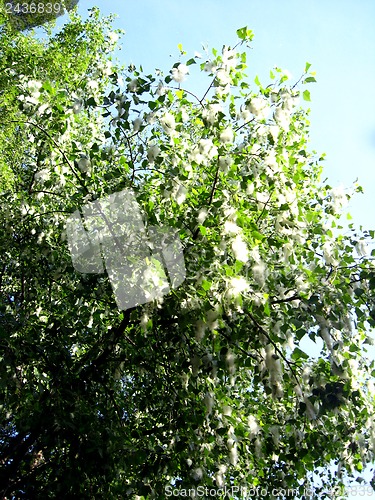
[{"x": 209, "y": 386}]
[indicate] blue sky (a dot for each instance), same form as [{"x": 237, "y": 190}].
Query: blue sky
[{"x": 337, "y": 37}]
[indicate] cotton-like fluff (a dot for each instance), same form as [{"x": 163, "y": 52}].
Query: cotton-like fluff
[
  {"x": 253, "y": 425},
  {"x": 219, "y": 476},
  {"x": 84, "y": 163},
  {"x": 200, "y": 328},
  {"x": 238, "y": 285},
  {"x": 153, "y": 152},
  {"x": 259, "y": 273},
  {"x": 137, "y": 124},
  {"x": 168, "y": 123},
  {"x": 210, "y": 113},
  {"x": 197, "y": 473},
  {"x": 226, "y": 135},
  {"x": 230, "y": 362},
  {"x": 225, "y": 163},
  {"x": 361, "y": 247},
  {"x": 259, "y": 107},
  {"x": 179, "y": 73},
  {"x": 324, "y": 330},
  {"x": 133, "y": 85},
  {"x": 231, "y": 227},
  {"x": 329, "y": 254},
  {"x": 209, "y": 402},
  {"x": 240, "y": 250},
  {"x": 275, "y": 370},
  {"x": 282, "y": 117},
  {"x": 233, "y": 455},
  {"x": 287, "y": 252},
  {"x": 339, "y": 198},
  {"x": 310, "y": 410}
]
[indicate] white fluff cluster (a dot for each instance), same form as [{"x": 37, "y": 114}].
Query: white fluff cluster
[
  {"x": 179, "y": 73},
  {"x": 200, "y": 329},
  {"x": 271, "y": 161},
  {"x": 240, "y": 250},
  {"x": 34, "y": 87},
  {"x": 231, "y": 228},
  {"x": 310, "y": 410},
  {"x": 282, "y": 117},
  {"x": 362, "y": 248},
  {"x": 197, "y": 473},
  {"x": 207, "y": 148},
  {"x": 259, "y": 273},
  {"x": 161, "y": 89},
  {"x": 210, "y": 113},
  {"x": 219, "y": 476},
  {"x": 290, "y": 101},
  {"x": 287, "y": 252},
  {"x": 253, "y": 426},
  {"x": 225, "y": 163},
  {"x": 209, "y": 402},
  {"x": 325, "y": 331},
  {"x": 233, "y": 455},
  {"x": 137, "y": 124},
  {"x": 230, "y": 362},
  {"x": 133, "y": 85},
  {"x": 168, "y": 123},
  {"x": 229, "y": 58},
  {"x": 329, "y": 254},
  {"x": 274, "y": 368},
  {"x": 259, "y": 107},
  {"x": 153, "y": 152},
  {"x": 236, "y": 286},
  {"x": 77, "y": 105},
  {"x": 204, "y": 152},
  {"x": 339, "y": 198},
  {"x": 227, "y": 135}
]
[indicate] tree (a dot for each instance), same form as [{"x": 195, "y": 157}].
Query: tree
[
  {"x": 72, "y": 55},
  {"x": 208, "y": 386}
]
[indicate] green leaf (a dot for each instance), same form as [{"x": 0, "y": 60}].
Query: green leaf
[
  {"x": 245, "y": 34},
  {"x": 91, "y": 102},
  {"x": 257, "y": 81},
  {"x": 309, "y": 79},
  {"x": 299, "y": 354},
  {"x": 190, "y": 62},
  {"x": 48, "y": 87},
  {"x": 267, "y": 310},
  {"x": 206, "y": 285},
  {"x": 257, "y": 236},
  {"x": 228, "y": 271},
  {"x": 306, "y": 95},
  {"x": 307, "y": 67},
  {"x": 238, "y": 266}
]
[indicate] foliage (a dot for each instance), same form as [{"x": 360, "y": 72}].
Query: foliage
[
  {"x": 78, "y": 52},
  {"x": 209, "y": 386}
]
